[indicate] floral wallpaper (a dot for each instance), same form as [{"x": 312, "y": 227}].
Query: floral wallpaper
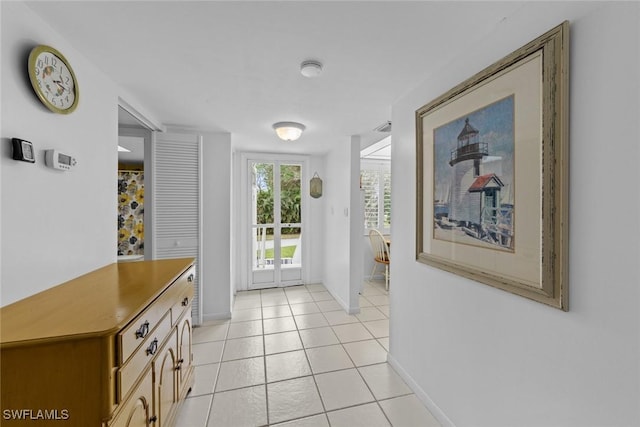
[{"x": 130, "y": 213}]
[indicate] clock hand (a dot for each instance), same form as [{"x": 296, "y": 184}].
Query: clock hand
[{"x": 60, "y": 85}]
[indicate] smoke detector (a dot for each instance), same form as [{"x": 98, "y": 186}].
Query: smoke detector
[{"x": 311, "y": 68}]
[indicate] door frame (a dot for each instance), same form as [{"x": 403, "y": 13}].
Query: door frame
[
  {"x": 244, "y": 194},
  {"x": 146, "y": 128}
]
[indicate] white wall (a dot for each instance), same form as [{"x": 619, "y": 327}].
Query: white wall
[
  {"x": 315, "y": 230},
  {"x": 342, "y": 201},
  {"x": 55, "y": 225},
  {"x": 483, "y": 357},
  {"x": 216, "y": 223},
  {"x": 356, "y": 227}
]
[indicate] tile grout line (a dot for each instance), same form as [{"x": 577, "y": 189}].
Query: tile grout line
[
  {"x": 324, "y": 408},
  {"x": 377, "y": 401},
  {"x": 264, "y": 361},
  {"x": 325, "y": 413},
  {"x": 215, "y": 383},
  {"x": 304, "y": 348}
]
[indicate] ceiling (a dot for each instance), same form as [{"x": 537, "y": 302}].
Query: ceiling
[
  {"x": 234, "y": 66},
  {"x": 380, "y": 150},
  {"x": 135, "y": 147}
]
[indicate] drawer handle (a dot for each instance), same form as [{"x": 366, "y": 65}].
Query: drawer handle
[
  {"x": 153, "y": 347},
  {"x": 143, "y": 330},
  {"x": 191, "y": 277},
  {"x": 179, "y": 364},
  {"x": 153, "y": 419},
  {"x": 185, "y": 302}
]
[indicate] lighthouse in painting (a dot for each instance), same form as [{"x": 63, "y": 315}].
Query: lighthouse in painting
[
  {"x": 473, "y": 192},
  {"x": 464, "y": 206}
]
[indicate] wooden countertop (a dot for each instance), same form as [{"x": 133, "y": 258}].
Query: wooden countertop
[{"x": 97, "y": 303}]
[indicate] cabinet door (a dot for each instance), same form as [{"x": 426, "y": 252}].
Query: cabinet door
[
  {"x": 185, "y": 354},
  {"x": 166, "y": 387},
  {"x": 137, "y": 411}
]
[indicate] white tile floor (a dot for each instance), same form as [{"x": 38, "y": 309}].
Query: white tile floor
[{"x": 293, "y": 357}]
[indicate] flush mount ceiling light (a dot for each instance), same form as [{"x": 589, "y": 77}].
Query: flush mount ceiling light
[
  {"x": 311, "y": 68},
  {"x": 288, "y": 131}
]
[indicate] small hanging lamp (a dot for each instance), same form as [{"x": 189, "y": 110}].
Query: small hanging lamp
[{"x": 315, "y": 186}]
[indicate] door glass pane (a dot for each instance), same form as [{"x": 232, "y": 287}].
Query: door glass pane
[
  {"x": 276, "y": 223},
  {"x": 291, "y": 247},
  {"x": 263, "y": 193},
  {"x": 262, "y": 248},
  {"x": 290, "y": 194}
]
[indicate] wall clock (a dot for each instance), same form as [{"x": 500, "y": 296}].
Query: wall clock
[{"x": 53, "y": 79}]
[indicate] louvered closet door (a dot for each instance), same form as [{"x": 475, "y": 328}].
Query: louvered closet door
[{"x": 177, "y": 203}]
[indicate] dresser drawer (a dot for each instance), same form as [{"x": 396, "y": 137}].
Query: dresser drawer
[
  {"x": 183, "y": 301},
  {"x": 135, "y": 333},
  {"x": 131, "y": 370}
]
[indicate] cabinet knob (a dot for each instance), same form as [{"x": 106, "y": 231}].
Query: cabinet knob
[
  {"x": 191, "y": 277},
  {"x": 185, "y": 302},
  {"x": 143, "y": 330},
  {"x": 153, "y": 347},
  {"x": 153, "y": 419}
]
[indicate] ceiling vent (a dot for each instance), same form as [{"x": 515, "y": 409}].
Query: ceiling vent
[{"x": 385, "y": 127}]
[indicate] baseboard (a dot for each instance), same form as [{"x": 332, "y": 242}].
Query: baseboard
[
  {"x": 216, "y": 316},
  {"x": 353, "y": 310},
  {"x": 376, "y": 278},
  {"x": 345, "y": 307},
  {"x": 420, "y": 393}
]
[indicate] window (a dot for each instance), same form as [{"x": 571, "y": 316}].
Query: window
[{"x": 375, "y": 184}]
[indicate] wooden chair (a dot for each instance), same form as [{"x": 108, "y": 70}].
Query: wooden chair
[{"x": 381, "y": 254}]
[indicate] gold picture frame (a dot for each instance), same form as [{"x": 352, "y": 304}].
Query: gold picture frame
[{"x": 492, "y": 174}]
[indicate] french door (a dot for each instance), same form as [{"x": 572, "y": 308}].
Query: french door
[{"x": 276, "y": 223}]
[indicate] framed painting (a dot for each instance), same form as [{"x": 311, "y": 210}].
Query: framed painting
[{"x": 492, "y": 174}]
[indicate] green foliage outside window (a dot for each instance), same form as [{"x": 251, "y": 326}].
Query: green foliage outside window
[{"x": 290, "y": 195}]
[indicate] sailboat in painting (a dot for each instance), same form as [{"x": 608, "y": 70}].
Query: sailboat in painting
[{"x": 473, "y": 198}]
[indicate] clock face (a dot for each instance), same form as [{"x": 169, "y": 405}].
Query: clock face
[{"x": 53, "y": 79}]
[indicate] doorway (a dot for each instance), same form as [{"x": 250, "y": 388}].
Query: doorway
[
  {"x": 275, "y": 221},
  {"x": 133, "y": 214},
  {"x": 375, "y": 195}
]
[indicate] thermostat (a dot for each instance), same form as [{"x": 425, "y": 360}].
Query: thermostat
[
  {"x": 23, "y": 150},
  {"x": 57, "y": 160}
]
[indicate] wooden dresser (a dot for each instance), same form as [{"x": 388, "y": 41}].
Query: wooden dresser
[{"x": 111, "y": 348}]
